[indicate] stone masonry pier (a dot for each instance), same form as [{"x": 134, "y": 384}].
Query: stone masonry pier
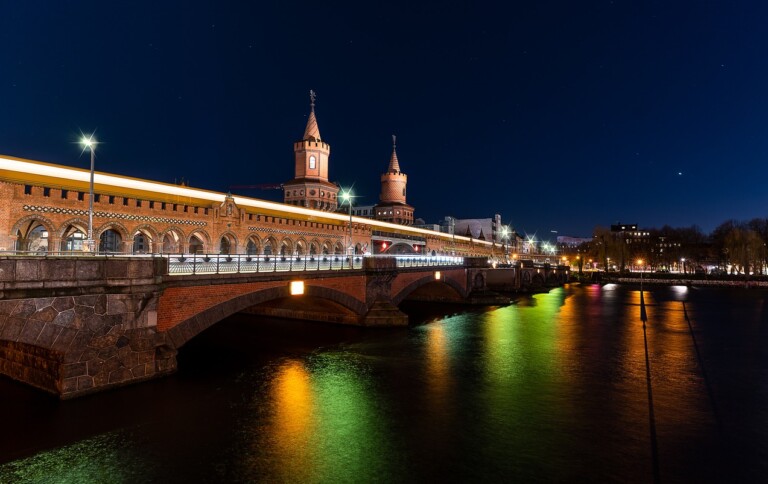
[{"x": 70, "y": 326}]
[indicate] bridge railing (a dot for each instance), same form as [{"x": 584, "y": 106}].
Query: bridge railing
[
  {"x": 425, "y": 260},
  {"x": 239, "y": 263},
  {"x": 179, "y": 264}
]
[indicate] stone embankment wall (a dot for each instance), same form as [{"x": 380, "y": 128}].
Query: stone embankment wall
[{"x": 74, "y": 326}]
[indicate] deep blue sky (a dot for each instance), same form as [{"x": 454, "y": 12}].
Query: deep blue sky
[{"x": 559, "y": 115}]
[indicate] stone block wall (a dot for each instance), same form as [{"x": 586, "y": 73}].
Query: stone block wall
[{"x": 74, "y": 326}]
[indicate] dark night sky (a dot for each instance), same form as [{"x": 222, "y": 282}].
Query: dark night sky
[{"x": 559, "y": 115}]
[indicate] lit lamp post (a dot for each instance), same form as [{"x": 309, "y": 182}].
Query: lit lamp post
[
  {"x": 346, "y": 196},
  {"x": 682, "y": 266},
  {"x": 504, "y": 236},
  {"x": 89, "y": 143}
]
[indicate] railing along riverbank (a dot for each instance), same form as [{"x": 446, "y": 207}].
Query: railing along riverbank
[{"x": 709, "y": 280}]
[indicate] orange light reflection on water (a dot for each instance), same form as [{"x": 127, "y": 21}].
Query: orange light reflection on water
[{"x": 293, "y": 421}]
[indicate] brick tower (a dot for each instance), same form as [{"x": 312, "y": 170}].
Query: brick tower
[
  {"x": 310, "y": 187},
  {"x": 392, "y": 206}
]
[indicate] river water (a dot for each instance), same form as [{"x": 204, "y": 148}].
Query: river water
[{"x": 564, "y": 386}]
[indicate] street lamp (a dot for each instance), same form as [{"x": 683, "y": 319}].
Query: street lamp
[
  {"x": 346, "y": 196},
  {"x": 504, "y": 236},
  {"x": 89, "y": 143},
  {"x": 682, "y": 265}
]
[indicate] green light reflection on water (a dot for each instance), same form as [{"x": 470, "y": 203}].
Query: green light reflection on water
[
  {"x": 520, "y": 396},
  {"x": 105, "y": 458}
]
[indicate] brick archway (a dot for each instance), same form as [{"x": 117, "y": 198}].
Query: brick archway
[
  {"x": 181, "y": 332},
  {"x": 407, "y": 290}
]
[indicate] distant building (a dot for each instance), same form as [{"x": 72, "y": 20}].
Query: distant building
[
  {"x": 566, "y": 242},
  {"x": 424, "y": 225},
  {"x": 630, "y": 234},
  {"x": 489, "y": 229},
  {"x": 359, "y": 211}
]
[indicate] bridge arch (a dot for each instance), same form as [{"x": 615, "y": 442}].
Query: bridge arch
[
  {"x": 30, "y": 231},
  {"x": 314, "y": 247},
  {"x": 270, "y": 246},
  {"x": 301, "y": 246},
  {"x": 286, "y": 246},
  {"x": 228, "y": 243},
  {"x": 172, "y": 240},
  {"x": 198, "y": 241},
  {"x": 112, "y": 236},
  {"x": 189, "y": 328},
  {"x": 427, "y": 279},
  {"x": 144, "y": 237},
  {"x": 72, "y": 234},
  {"x": 252, "y": 245}
]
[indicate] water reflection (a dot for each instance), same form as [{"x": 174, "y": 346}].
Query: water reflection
[
  {"x": 553, "y": 388},
  {"x": 318, "y": 420}
]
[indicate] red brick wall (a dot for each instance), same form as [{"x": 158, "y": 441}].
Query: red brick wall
[
  {"x": 178, "y": 304},
  {"x": 404, "y": 279}
]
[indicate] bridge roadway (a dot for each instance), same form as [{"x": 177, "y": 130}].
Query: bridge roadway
[{"x": 79, "y": 324}]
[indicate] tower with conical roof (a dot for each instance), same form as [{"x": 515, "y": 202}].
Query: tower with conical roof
[
  {"x": 392, "y": 206},
  {"x": 310, "y": 186}
]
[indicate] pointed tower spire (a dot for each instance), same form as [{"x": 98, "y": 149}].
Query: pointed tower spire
[
  {"x": 312, "y": 132},
  {"x": 394, "y": 165}
]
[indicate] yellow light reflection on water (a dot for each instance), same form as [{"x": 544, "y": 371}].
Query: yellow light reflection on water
[
  {"x": 293, "y": 421},
  {"x": 293, "y": 400},
  {"x": 437, "y": 363}
]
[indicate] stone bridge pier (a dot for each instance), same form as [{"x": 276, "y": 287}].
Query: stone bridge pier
[{"x": 70, "y": 326}]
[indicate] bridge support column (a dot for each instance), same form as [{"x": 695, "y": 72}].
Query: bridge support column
[
  {"x": 71, "y": 346},
  {"x": 384, "y": 313},
  {"x": 381, "y": 311},
  {"x": 77, "y": 326}
]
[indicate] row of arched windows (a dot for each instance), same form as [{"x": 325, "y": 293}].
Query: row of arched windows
[{"x": 35, "y": 234}]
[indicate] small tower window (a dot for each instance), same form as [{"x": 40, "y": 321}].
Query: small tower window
[{"x": 312, "y": 162}]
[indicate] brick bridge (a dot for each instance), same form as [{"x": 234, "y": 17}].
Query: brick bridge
[{"x": 76, "y": 325}]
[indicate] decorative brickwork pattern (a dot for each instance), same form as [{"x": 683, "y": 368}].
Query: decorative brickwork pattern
[{"x": 114, "y": 215}]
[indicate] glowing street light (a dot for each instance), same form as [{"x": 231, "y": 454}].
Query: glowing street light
[
  {"x": 504, "y": 237},
  {"x": 346, "y": 196},
  {"x": 89, "y": 143}
]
